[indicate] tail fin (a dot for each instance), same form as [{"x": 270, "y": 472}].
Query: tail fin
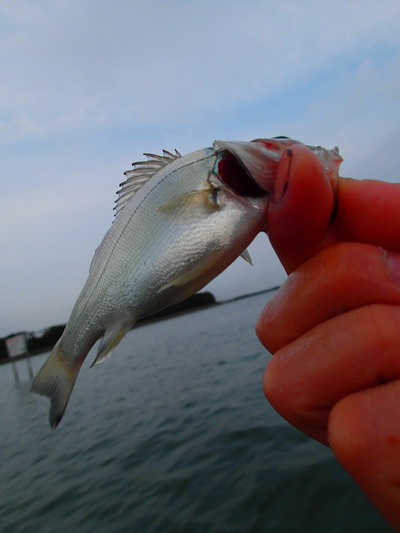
[{"x": 56, "y": 380}]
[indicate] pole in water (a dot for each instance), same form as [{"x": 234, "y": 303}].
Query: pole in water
[
  {"x": 15, "y": 372},
  {"x": 16, "y": 345},
  {"x": 28, "y": 362}
]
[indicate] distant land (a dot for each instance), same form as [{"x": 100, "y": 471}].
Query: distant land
[{"x": 43, "y": 342}]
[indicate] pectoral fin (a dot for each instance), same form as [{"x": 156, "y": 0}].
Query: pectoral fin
[
  {"x": 111, "y": 339},
  {"x": 189, "y": 204}
]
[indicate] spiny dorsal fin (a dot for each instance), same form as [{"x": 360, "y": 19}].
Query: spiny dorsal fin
[{"x": 141, "y": 173}]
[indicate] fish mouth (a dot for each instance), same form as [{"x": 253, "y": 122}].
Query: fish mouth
[{"x": 249, "y": 168}]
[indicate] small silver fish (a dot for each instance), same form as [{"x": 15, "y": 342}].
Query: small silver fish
[{"x": 180, "y": 221}]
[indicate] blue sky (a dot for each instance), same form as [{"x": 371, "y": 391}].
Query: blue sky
[{"x": 87, "y": 87}]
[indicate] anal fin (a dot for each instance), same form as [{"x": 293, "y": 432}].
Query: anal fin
[{"x": 111, "y": 339}]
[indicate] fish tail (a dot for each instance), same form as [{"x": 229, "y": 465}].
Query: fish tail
[{"x": 56, "y": 380}]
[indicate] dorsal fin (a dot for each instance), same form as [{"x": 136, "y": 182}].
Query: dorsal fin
[{"x": 142, "y": 171}]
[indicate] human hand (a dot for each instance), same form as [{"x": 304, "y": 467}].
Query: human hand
[{"x": 333, "y": 327}]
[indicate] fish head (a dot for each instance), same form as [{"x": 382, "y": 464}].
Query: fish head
[
  {"x": 259, "y": 159},
  {"x": 248, "y": 170}
]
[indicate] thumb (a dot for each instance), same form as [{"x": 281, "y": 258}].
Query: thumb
[
  {"x": 301, "y": 208},
  {"x": 309, "y": 211}
]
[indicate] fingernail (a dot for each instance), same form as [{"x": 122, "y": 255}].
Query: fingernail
[
  {"x": 393, "y": 262},
  {"x": 282, "y": 175}
]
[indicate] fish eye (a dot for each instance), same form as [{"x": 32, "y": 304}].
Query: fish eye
[{"x": 232, "y": 173}]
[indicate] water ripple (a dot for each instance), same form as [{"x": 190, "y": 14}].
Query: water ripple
[{"x": 173, "y": 435}]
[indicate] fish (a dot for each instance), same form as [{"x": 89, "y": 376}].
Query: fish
[{"x": 179, "y": 222}]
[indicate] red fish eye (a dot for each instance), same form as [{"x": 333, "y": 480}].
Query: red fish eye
[{"x": 235, "y": 176}]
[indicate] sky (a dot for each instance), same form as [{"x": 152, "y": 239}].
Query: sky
[{"x": 87, "y": 87}]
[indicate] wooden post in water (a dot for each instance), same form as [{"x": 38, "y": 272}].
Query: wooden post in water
[
  {"x": 28, "y": 362},
  {"x": 16, "y": 345},
  {"x": 15, "y": 372}
]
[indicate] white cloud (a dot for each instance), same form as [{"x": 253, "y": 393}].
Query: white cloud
[
  {"x": 96, "y": 64},
  {"x": 85, "y": 87}
]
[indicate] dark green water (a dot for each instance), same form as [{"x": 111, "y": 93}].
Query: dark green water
[{"x": 173, "y": 434}]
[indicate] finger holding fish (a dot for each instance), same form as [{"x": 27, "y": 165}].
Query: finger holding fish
[
  {"x": 361, "y": 275},
  {"x": 352, "y": 267},
  {"x": 339, "y": 382},
  {"x": 313, "y": 207},
  {"x": 305, "y": 380},
  {"x": 333, "y": 327}
]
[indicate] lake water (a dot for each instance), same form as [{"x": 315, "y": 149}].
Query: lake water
[{"x": 172, "y": 435}]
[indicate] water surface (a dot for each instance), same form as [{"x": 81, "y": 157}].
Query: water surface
[{"x": 173, "y": 434}]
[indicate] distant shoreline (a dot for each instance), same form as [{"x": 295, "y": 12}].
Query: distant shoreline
[{"x": 197, "y": 302}]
